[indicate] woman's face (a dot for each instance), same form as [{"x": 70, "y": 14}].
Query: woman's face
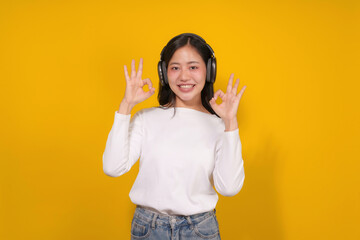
[{"x": 186, "y": 73}]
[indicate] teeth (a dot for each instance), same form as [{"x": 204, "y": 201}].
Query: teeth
[{"x": 186, "y": 86}]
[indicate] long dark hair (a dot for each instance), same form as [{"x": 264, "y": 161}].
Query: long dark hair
[{"x": 166, "y": 96}]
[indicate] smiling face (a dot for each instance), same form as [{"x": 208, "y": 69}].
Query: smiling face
[{"x": 186, "y": 73}]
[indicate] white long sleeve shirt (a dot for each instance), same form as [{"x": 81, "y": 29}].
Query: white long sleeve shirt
[{"x": 181, "y": 158}]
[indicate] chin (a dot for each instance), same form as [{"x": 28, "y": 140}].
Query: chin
[
  {"x": 184, "y": 99},
  {"x": 190, "y": 96}
]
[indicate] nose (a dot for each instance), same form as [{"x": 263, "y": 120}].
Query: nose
[{"x": 184, "y": 75}]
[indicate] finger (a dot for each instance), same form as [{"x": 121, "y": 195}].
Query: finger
[
  {"x": 151, "y": 89},
  {"x": 229, "y": 86},
  {"x": 140, "y": 68},
  {"x": 213, "y": 103},
  {"x": 241, "y": 92},
  {"x": 234, "y": 90},
  {"x": 148, "y": 82},
  {"x": 126, "y": 73},
  {"x": 216, "y": 94},
  {"x": 149, "y": 93},
  {"x": 133, "y": 72},
  {"x": 219, "y": 93}
]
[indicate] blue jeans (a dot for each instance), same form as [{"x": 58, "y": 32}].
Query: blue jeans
[{"x": 150, "y": 225}]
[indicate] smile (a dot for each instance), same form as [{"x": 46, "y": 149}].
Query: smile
[{"x": 186, "y": 86}]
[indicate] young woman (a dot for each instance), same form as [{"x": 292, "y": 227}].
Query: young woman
[{"x": 187, "y": 146}]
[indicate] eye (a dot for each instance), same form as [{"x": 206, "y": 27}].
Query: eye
[
  {"x": 174, "y": 68},
  {"x": 193, "y": 67}
]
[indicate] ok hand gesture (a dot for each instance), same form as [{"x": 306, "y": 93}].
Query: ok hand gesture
[
  {"x": 230, "y": 101},
  {"x": 134, "y": 92}
]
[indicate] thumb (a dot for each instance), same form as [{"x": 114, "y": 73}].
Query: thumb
[
  {"x": 213, "y": 104},
  {"x": 150, "y": 92}
]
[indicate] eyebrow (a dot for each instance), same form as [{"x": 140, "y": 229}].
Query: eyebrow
[{"x": 187, "y": 62}]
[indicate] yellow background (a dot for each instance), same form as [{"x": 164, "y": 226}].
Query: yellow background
[{"x": 61, "y": 71}]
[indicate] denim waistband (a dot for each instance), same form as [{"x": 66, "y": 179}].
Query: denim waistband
[{"x": 164, "y": 219}]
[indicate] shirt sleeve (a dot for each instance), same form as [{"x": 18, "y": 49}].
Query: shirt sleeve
[
  {"x": 123, "y": 145},
  {"x": 228, "y": 172}
]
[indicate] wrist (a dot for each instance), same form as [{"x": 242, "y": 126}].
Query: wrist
[
  {"x": 125, "y": 108},
  {"x": 231, "y": 124}
]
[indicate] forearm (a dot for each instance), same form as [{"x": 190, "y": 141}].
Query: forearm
[
  {"x": 116, "y": 157},
  {"x": 229, "y": 170}
]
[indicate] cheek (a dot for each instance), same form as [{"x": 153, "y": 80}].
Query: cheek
[
  {"x": 171, "y": 75},
  {"x": 172, "y": 80},
  {"x": 201, "y": 75}
]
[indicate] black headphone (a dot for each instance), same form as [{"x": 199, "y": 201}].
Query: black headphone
[{"x": 210, "y": 66}]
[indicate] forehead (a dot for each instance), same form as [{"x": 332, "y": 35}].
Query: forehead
[{"x": 186, "y": 54}]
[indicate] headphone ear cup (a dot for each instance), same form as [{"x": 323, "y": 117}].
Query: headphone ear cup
[
  {"x": 160, "y": 73},
  {"x": 213, "y": 69},
  {"x": 208, "y": 70},
  {"x": 163, "y": 67}
]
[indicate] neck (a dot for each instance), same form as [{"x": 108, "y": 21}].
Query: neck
[{"x": 195, "y": 104}]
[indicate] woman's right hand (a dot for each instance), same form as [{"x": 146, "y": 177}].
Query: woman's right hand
[{"x": 134, "y": 92}]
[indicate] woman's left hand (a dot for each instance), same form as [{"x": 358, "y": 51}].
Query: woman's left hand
[{"x": 227, "y": 110}]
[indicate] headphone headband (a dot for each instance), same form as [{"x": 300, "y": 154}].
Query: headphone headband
[{"x": 192, "y": 35}]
